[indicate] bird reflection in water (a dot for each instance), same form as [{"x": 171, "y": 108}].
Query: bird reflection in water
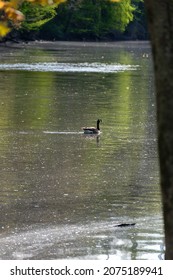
[{"x": 93, "y": 136}]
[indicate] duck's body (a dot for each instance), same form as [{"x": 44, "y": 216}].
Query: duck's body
[{"x": 92, "y": 130}]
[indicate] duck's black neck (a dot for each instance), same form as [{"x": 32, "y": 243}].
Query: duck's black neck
[{"x": 98, "y": 126}]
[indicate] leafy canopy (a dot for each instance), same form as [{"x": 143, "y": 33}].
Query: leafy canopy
[
  {"x": 31, "y": 14},
  {"x": 11, "y": 15}
]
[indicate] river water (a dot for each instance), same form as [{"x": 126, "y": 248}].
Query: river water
[{"x": 62, "y": 192}]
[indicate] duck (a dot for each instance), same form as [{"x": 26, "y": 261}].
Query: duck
[{"x": 93, "y": 130}]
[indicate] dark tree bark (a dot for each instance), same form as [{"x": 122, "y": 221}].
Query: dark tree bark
[{"x": 160, "y": 20}]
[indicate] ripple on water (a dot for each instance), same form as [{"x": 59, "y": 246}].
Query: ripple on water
[{"x": 70, "y": 67}]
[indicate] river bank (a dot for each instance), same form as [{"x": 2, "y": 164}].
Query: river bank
[{"x": 50, "y": 44}]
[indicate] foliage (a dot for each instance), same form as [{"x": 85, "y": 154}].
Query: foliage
[
  {"x": 124, "y": 14},
  {"x": 138, "y": 28},
  {"x": 90, "y": 19},
  {"x": 11, "y": 16},
  {"x": 36, "y": 15},
  {"x": 74, "y": 19}
]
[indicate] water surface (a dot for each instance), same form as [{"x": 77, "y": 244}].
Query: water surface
[{"x": 63, "y": 192}]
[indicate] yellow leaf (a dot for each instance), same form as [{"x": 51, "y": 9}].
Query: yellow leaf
[
  {"x": 59, "y": 1},
  {"x": 115, "y": 0},
  {"x": 2, "y": 4},
  {"x": 47, "y": 2},
  {"x": 4, "y": 29},
  {"x": 15, "y": 3},
  {"x": 13, "y": 14}
]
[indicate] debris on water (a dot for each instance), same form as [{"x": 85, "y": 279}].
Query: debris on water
[{"x": 125, "y": 225}]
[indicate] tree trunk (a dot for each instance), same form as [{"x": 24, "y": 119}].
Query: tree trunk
[{"x": 160, "y": 20}]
